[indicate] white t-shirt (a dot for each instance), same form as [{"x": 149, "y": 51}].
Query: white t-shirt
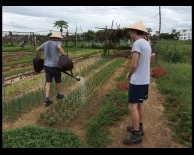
[{"x": 141, "y": 76}]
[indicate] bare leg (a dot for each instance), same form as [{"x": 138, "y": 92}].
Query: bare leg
[
  {"x": 47, "y": 87},
  {"x": 133, "y": 108},
  {"x": 58, "y": 88},
  {"x": 140, "y": 110}
]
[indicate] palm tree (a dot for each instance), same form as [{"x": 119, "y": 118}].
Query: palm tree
[{"x": 62, "y": 24}]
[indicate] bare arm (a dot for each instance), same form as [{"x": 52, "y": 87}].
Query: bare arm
[
  {"x": 133, "y": 65},
  {"x": 61, "y": 49},
  {"x": 38, "y": 49}
]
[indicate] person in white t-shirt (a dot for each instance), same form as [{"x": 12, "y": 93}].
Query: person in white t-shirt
[{"x": 139, "y": 76}]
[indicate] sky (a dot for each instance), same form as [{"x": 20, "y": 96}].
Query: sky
[{"x": 40, "y": 19}]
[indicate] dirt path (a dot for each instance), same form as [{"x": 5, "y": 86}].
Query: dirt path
[{"x": 157, "y": 132}]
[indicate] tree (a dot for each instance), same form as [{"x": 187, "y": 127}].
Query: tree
[
  {"x": 173, "y": 31},
  {"x": 99, "y": 36},
  {"x": 156, "y": 52},
  {"x": 49, "y": 34},
  {"x": 61, "y": 24},
  {"x": 89, "y": 36},
  {"x": 167, "y": 36}
]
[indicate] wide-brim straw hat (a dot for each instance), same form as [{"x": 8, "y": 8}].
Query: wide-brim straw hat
[
  {"x": 56, "y": 35},
  {"x": 139, "y": 26}
]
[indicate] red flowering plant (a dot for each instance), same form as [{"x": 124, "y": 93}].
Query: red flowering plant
[
  {"x": 158, "y": 72},
  {"x": 122, "y": 85}
]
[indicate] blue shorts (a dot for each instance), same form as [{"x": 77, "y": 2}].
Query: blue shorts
[
  {"x": 52, "y": 72},
  {"x": 137, "y": 93}
]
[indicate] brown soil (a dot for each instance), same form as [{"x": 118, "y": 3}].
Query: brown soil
[
  {"x": 16, "y": 67},
  {"x": 157, "y": 132},
  {"x": 122, "y": 53},
  {"x": 14, "y": 56}
]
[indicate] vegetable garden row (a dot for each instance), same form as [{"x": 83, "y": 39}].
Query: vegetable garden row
[
  {"x": 14, "y": 107},
  {"x": 69, "y": 108},
  {"x": 28, "y": 60}
]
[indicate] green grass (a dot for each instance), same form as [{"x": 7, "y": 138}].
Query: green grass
[
  {"x": 181, "y": 52},
  {"x": 40, "y": 137},
  {"x": 21, "y": 61},
  {"x": 113, "y": 108},
  {"x": 27, "y": 49},
  {"x": 178, "y": 104},
  {"x": 19, "y": 71}
]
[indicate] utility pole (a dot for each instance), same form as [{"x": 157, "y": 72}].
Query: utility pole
[
  {"x": 76, "y": 35},
  {"x": 156, "y": 52},
  {"x": 105, "y": 46},
  {"x": 67, "y": 41},
  {"x": 33, "y": 39},
  {"x": 10, "y": 35},
  {"x": 109, "y": 38},
  {"x": 81, "y": 36},
  {"x": 81, "y": 29}
]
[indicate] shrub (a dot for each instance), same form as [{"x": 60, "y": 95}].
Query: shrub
[
  {"x": 122, "y": 85},
  {"x": 158, "y": 72}
]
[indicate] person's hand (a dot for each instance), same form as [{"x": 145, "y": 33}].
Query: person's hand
[{"x": 128, "y": 76}]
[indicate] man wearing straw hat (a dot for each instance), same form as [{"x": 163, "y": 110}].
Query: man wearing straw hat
[
  {"x": 139, "y": 76},
  {"x": 51, "y": 51}
]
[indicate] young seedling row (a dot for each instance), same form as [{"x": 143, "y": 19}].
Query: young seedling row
[
  {"x": 15, "y": 106},
  {"x": 67, "y": 80},
  {"x": 69, "y": 108}
]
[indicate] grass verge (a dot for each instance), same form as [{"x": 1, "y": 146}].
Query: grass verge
[{"x": 176, "y": 86}]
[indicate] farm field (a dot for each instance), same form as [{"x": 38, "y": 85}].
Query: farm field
[{"x": 94, "y": 112}]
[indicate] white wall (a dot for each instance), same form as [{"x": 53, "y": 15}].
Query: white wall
[{"x": 185, "y": 35}]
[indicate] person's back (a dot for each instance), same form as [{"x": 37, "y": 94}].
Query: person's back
[
  {"x": 142, "y": 73},
  {"x": 51, "y": 53}
]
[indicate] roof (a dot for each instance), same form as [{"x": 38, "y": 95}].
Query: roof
[{"x": 184, "y": 30}]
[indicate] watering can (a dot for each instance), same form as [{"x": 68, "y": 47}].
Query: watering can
[{"x": 65, "y": 64}]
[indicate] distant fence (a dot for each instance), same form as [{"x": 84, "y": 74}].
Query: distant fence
[{"x": 13, "y": 38}]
